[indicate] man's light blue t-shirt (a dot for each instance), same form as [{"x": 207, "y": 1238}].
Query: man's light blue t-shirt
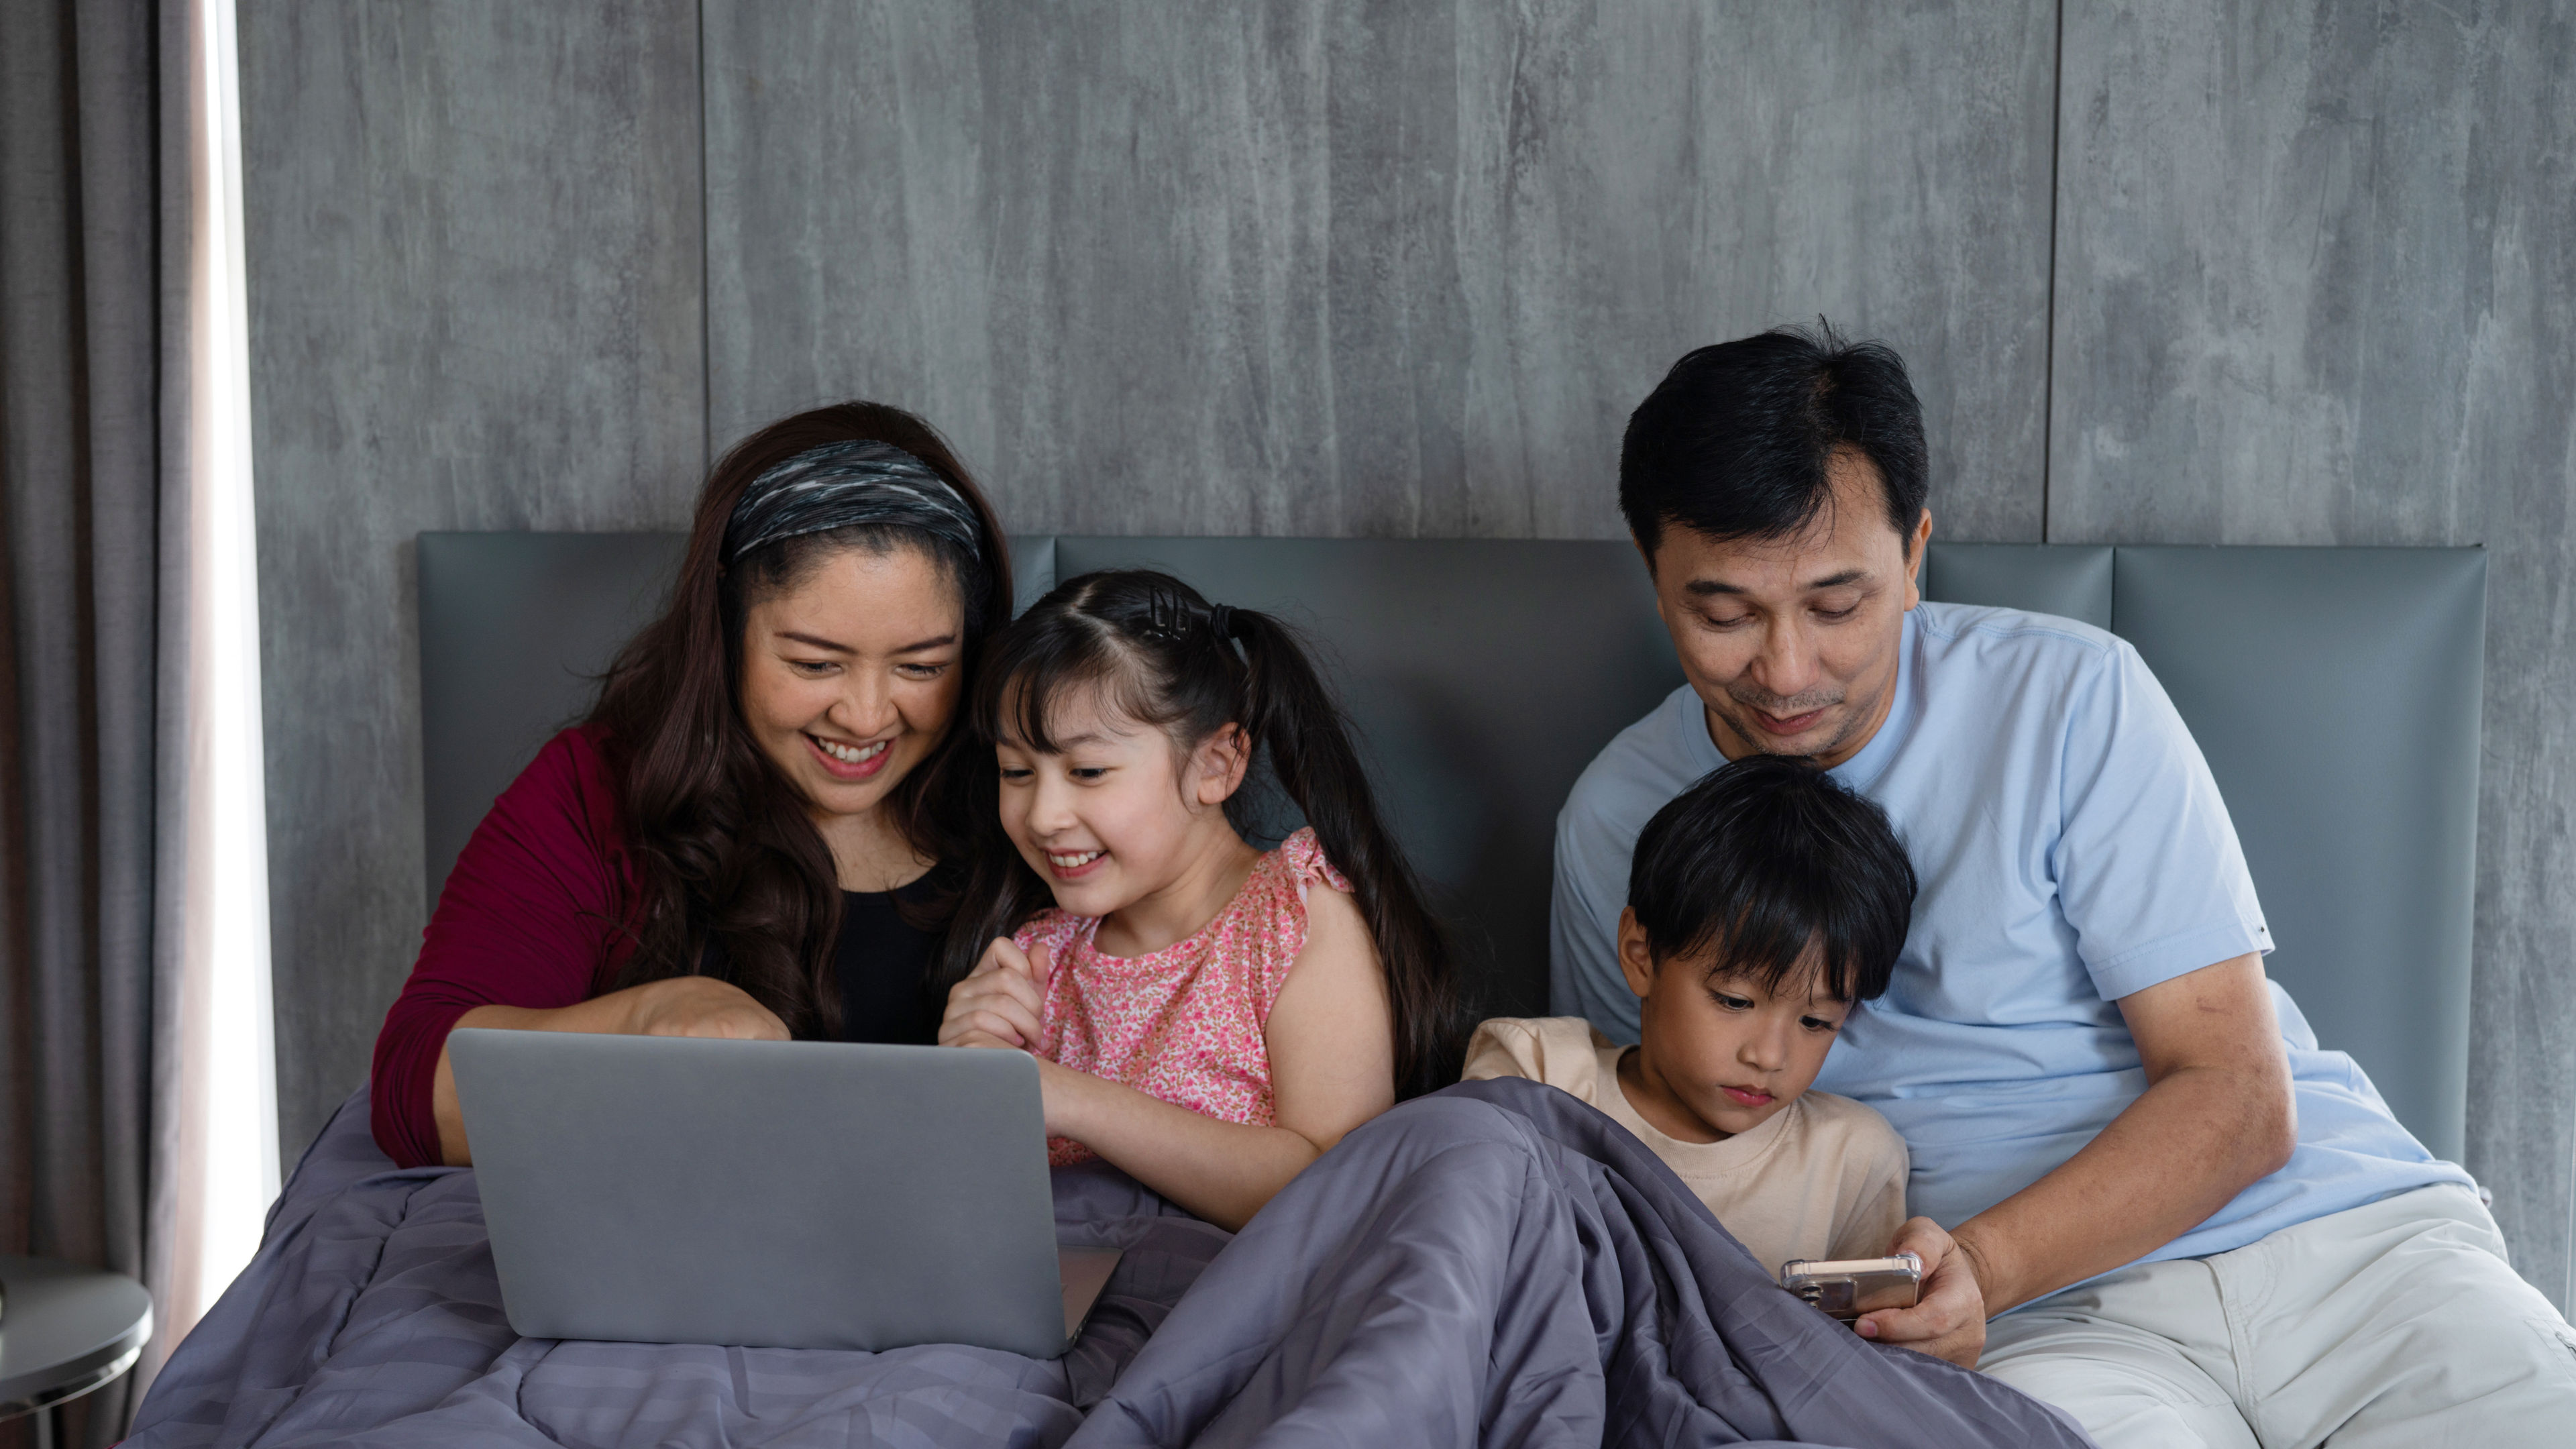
[{"x": 2071, "y": 849}]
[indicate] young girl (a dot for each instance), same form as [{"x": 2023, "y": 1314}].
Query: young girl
[{"x": 1206, "y": 1016}]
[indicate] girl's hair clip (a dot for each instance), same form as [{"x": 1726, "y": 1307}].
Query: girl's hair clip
[{"x": 1166, "y": 617}]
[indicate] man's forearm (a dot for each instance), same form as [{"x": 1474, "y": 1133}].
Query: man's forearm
[{"x": 2182, "y": 1151}]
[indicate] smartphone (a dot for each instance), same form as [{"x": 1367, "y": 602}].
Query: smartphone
[{"x": 1846, "y": 1288}]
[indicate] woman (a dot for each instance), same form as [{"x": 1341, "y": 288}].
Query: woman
[{"x": 756, "y": 832}]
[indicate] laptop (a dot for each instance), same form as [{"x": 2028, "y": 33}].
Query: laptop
[{"x": 769, "y": 1194}]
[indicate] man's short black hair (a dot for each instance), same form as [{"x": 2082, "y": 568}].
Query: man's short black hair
[
  {"x": 1734, "y": 441},
  {"x": 1765, "y": 860}
]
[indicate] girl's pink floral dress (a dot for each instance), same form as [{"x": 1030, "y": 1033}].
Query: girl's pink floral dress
[{"x": 1183, "y": 1024}]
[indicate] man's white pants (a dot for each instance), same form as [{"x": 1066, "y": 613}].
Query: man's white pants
[{"x": 2395, "y": 1325}]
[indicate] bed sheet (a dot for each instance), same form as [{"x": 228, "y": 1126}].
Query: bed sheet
[{"x": 1495, "y": 1264}]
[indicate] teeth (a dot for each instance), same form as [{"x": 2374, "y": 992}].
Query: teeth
[
  {"x": 1073, "y": 862},
  {"x": 852, "y": 754}
]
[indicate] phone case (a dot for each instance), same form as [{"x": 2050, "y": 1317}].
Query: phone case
[{"x": 1846, "y": 1288}]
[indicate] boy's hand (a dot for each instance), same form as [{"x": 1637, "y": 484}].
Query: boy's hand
[
  {"x": 1000, "y": 1002},
  {"x": 1949, "y": 1321}
]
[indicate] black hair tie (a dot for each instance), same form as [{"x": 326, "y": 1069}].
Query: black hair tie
[{"x": 1221, "y": 620}]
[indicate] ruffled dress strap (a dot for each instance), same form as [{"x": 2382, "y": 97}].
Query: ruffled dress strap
[
  {"x": 1285, "y": 875},
  {"x": 1301, "y": 858}
]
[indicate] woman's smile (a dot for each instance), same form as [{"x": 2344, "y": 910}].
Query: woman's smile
[{"x": 847, "y": 761}]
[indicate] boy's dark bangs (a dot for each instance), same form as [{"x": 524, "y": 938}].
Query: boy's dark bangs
[{"x": 1772, "y": 937}]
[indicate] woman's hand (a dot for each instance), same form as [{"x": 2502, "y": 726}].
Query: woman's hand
[
  {"x": 1950, "y": 1320},
  {"x": 700, "y": 1006},
  {"x": 1001, "y": 1002},
  {"x": 676, "y": 1006}
]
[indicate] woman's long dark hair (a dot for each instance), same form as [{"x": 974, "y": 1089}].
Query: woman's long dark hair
[
  {"x": 1162, "y": 655},
  {"x": 735, "y": 881}
]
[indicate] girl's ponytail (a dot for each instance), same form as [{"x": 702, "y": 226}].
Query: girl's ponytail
[
  {"x": 1293, "y": 718},
  {"x": 1171, "y": 659}
]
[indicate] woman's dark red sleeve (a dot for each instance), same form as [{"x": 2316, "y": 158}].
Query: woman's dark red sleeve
[{"x": 526, "y": 919}]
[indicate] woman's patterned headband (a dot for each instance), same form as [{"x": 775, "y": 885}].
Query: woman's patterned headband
[{"x": 844, "y": 485}]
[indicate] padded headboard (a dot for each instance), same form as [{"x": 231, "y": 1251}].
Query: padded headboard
[{"x": 2334, "y": 691}]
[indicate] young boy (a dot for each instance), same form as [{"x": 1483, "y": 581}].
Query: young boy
[{"x": 1765, "y": 903}]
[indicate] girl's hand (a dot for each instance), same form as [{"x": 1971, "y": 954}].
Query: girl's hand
[
  {"x": 701, "y": 1006},
  {"x": 1000, "y": 1002}
]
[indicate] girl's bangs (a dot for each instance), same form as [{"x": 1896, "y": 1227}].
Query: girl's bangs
[{"x": 1024, "y": 686}]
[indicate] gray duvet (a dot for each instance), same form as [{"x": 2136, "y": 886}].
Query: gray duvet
[{"x": 1497, "y": 1264}]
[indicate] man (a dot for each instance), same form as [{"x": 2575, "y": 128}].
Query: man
[{"x": 2215, "y": 1234}]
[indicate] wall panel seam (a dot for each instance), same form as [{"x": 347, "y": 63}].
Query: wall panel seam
[
  {"x": 2048, "y": 304},
  {"x": 706, "y": 268}
]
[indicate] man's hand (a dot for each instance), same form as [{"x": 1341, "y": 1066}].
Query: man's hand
[
  {"x": 701, "y": 1006},
  {"x": 1000, "y": 1002},
  {"x": 1950, "y": 1319}
]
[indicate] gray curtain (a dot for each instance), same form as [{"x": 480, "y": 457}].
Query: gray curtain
[{"x": 94, "y": 260}]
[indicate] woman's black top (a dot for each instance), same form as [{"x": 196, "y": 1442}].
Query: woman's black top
[{"x": 884, "y": 965}]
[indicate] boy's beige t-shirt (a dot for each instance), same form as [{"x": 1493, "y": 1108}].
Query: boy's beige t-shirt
[{"x": 1823, "y": 1177}]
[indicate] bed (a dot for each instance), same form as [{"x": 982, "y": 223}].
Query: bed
[{"x": 1493, "y": 1264}]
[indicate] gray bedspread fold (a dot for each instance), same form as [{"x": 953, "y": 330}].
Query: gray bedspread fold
[{"x": 1496, "y": 1264}]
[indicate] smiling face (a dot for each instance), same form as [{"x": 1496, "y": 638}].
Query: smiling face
[
  {"x": 1720, "y": 1053},
  {"x": 850, "y": 676},
  {"x": 1791, "y": 643},
  {"x": 1119, "y": 817}
]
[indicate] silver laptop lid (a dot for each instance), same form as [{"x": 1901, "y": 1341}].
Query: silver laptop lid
[{"x": 765, "y": 1194}]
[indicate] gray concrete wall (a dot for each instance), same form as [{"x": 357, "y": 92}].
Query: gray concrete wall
[
  {"x": 474, "y": 272},
  {"x": 2316, "y": 284},
  {"x": 2241, "y": 273},
  {"x": 1352, "y": 269}
]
